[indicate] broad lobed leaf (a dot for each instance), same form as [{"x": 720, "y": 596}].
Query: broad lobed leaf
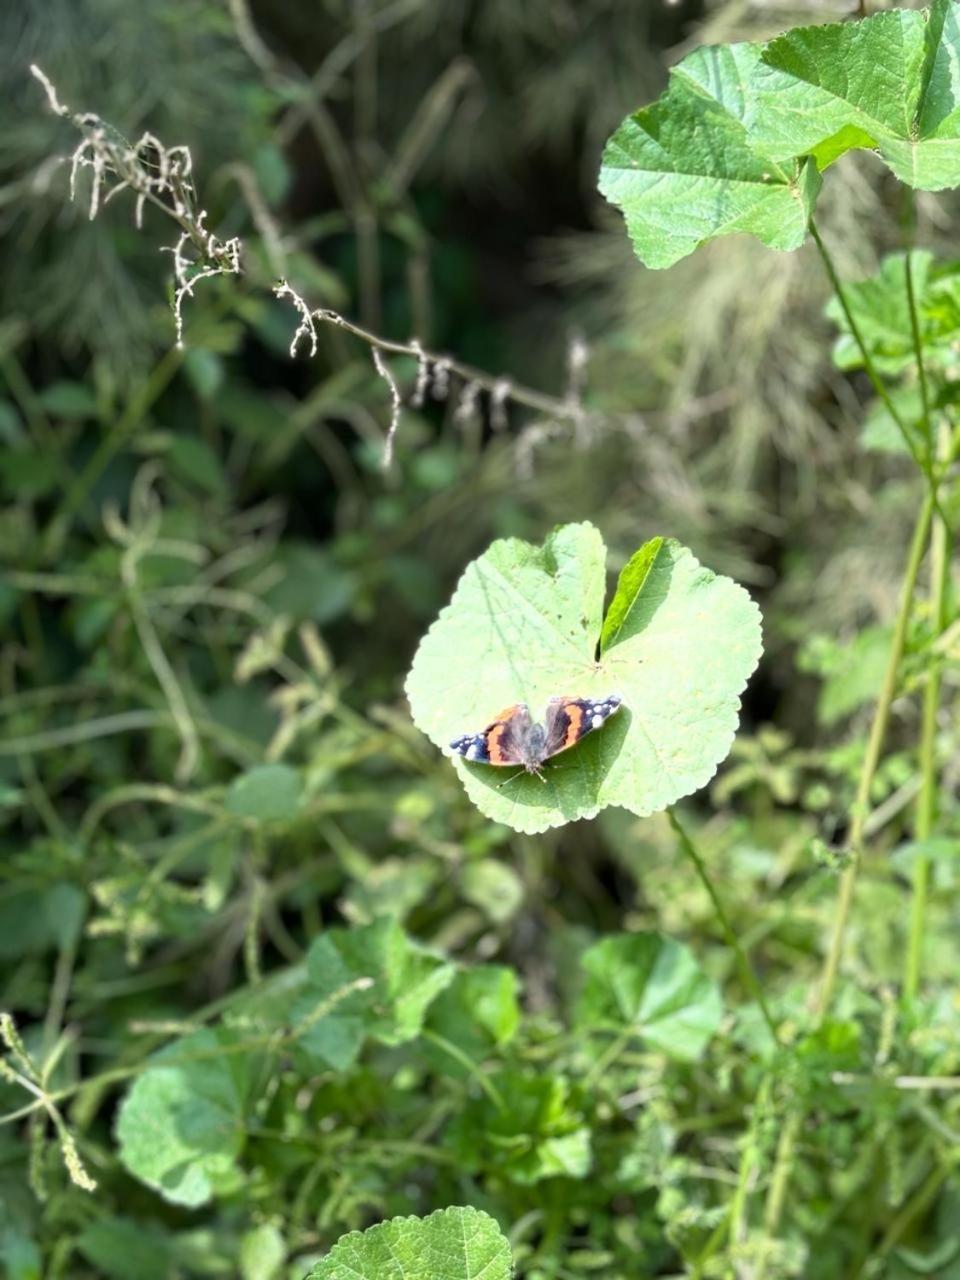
[
  {"x": 525, "y": 625},
  {"x": 737, "y": 140}
]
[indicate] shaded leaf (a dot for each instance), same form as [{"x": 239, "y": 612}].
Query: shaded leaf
[
  {"x": 478, "y": 1013},
  {"x": 653, "y": 985},
  {"x": 180, "y": 1128},
  {"x": 405, "y": 980},
  {"x": 268, "y": 792},
  {"x": 537, "y": 1131}
]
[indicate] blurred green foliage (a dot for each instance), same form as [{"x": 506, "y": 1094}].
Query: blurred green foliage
[{"x": 210, "y": 593}]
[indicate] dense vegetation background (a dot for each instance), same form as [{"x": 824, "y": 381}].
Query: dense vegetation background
[{"x": 212, "y": 590}]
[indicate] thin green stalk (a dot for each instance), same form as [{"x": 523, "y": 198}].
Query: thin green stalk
[
  {"x": 786, "y": 1148},
  {"x": 918, "y": 352},
  {"x": 468, "y": 1065},
  {"x": 750, "y": 980},
  {"x": 878, "y": 730},
  {"x": 111, "y": 443},
  {"x": 870, "y": 368},
  {"x": 927, "y": 798}
]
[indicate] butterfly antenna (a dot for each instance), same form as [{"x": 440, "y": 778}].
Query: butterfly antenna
[{"x": 513, "y": 777}]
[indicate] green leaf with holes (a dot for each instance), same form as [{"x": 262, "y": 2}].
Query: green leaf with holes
[
  {"x": 451, "y": 1244},
  {"x": 525, "y": 625}
]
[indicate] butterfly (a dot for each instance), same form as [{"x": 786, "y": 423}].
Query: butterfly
[{"x": 512, "y": 737}]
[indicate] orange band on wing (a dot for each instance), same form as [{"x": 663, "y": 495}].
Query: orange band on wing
[
  {"x": 493, "y": 744},
  {"x": 575, "y": 713},
  {"x": 505, "y": 714}
]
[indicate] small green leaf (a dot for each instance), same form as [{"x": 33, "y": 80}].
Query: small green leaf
[
  {"x": 405, "y": 978},
  {"x": 28, "y": 473},
  {"x": 204, "y": 370},
  {"x": 262, "y": 1252},
  {"x": 68, "y": 400},
  {"x": 194, "y": 462},
  {"x": 451, "y": 1244},
  {"x": 181, "y": 1128},
  {"x": 313, "y": 585},
  {"x": 630, "y": 584},
  {"x": 120, "y": 1248},
  {"x": 36, "y": 920},
  {"x": 653, "y": 985},
  {"x": 881, "y": 309},
  {"x": 524, "y": 625},
  {"x": 267, "y": 792},
  {"x": 535, "y": 1130},
  {"x": 478, "y": 1014}
]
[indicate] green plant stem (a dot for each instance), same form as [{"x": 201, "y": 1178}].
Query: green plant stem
[
  {"x": 875, "y": 379},
  {"x": 750, "y": 979},
  {"x": 783, "y": 1161},
  {"x": 878, "y": 729},
  {"x": 111, "y": 443},
  {"x": 918, "y": 351},
  {"x": 927, "y": 798}
]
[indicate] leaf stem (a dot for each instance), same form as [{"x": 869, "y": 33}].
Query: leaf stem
[
  {"x": 750, "y": 979},
  {"x": 918, "y": 352},
  {"x": 878, "y": 729},
  {"x": 927, "y": 799},
  {"x": 871, "y": 371},
  {"x": 783, "y": 1162}
]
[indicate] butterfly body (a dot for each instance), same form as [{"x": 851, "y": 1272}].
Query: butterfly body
[{"x": 514, "y": 738}]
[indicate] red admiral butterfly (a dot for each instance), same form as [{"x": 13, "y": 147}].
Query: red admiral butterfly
[{"x": 513, "y": 738}]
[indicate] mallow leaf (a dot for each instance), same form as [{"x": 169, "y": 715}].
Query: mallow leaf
[
  {"x": 890, "y": 81},
  {"x": 451, "y": 1244},
  {"x": 880, "y": 307},
  {"x": 181, "y": 1126},
  {"x": 369, "y": 981},
  {"x": 404, "y": 978},
  {"x": 685, "y": 169},
  {"x": 525, "y": 624},
  {"x": 652, "y": 985},
  {"x": 534, "y": 1130},
  {"x": 739, "y": 138}
]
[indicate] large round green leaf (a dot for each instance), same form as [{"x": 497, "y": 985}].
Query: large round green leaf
[{"x": 526, "y": 624}]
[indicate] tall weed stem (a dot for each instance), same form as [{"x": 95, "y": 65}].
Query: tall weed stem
[
  {"x": 783, "y": 1162},
  {"x": 750, "y": 980},
  {"x": 927, "y": 799}
]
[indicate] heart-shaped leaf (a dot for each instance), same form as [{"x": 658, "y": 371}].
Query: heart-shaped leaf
[{"x": 525, "y": 625}]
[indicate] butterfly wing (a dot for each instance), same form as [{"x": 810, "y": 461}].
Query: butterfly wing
[
  {"x": 501, "y": 742},
  {"x": 570, "y": 719}
]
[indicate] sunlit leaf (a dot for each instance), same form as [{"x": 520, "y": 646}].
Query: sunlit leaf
[
  {"x": 451, "y": 1244},
  {"x": 525, "y": 625}
]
